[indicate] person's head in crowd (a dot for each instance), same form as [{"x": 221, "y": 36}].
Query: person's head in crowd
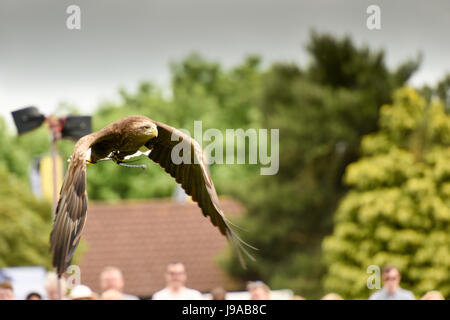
[
  {"x": 258, "y": 290},
  {"x": 175, "y": 288},
  {"x": 81, "y": 292},
  {"x": 176, "y": 276},
  {"x": 33, "y": 296},
  {"x": 6, "y": 291},
  {"x": 391, "y": 286},
  {"x": 111, "y": 278},
  {"x": 51, "y": 286},
  {"x": 218, "y": 293},
  {"x": 391, "y": 278},
  {"x": 112, "y": 294},
  {"x": 332, "y": 296},
  {"x": 433, "y": 295}
]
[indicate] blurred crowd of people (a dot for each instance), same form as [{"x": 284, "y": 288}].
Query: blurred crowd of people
[{"x": 112, "y": 285}]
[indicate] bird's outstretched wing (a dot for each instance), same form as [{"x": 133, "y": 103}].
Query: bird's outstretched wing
[
  {"x": 194, "y": 178},
  {"x": 71, "y": 211}
]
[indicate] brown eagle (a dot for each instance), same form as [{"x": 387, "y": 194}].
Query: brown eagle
[{"x": 115, "y": 142}]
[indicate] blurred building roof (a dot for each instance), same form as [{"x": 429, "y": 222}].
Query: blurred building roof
[{"x": 141, "y": 238}]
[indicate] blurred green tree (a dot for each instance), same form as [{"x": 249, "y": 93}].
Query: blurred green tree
[
  {"x": 440, "y": 90},
  {"x": 24, "y": 224},
  {"x": 322, "y": 113},
  {"x": 397, "y": 211}
]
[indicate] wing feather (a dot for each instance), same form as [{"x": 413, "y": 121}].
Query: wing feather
[
  {"x": 194, "y": 178},
  {"x": 71, "y": 211}
]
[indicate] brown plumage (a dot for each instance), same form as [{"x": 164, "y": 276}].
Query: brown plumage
[{"x": 118, "y": 140}]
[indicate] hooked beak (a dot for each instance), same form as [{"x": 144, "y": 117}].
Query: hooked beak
[{"x": 154, "y": 131}]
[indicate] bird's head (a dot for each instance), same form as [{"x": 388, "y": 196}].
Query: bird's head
[
  {"x": 150, "y": 130},
  {"x": 146, "y": 128}
]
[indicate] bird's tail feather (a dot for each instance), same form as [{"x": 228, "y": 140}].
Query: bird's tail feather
[{"x": 240, "y": 246}]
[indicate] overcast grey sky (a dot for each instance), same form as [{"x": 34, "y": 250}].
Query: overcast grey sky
[{"x": 122, "y": 42}]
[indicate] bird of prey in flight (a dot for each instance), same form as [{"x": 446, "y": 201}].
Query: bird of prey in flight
[{"x": 116, "y": 141}]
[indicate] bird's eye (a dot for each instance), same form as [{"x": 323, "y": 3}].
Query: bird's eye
[{"x": 147, "y": 127}]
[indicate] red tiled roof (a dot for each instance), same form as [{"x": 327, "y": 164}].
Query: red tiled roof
[{"x": 141, "y": 238}]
